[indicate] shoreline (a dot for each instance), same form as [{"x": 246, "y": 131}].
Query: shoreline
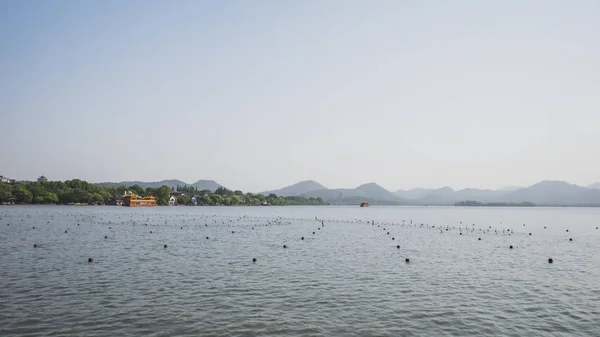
[{"x": 335, "y": 205}]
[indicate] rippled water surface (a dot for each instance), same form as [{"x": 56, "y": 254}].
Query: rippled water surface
[{"x": 347, "y": 279}]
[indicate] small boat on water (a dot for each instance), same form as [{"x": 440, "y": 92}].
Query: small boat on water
[{"x": 364, "y": 204}]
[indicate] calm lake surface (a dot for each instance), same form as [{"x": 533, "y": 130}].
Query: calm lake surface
[{"x": 347, "y": 279}]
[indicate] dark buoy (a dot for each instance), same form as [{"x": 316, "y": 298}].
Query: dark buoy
[
  {"x": 33, "y": 227},
  {"x": 529, "y": 233},
  {"x": 284, "y": 246},
  {"x": 254, "y": 260},
  {"x": 407, "y": 260},
  {"x": 570, "y": 239},
  {"x": 393, "y": 239},
  {"x": 91, "y": 259},
  {"x": 398, "y": 246},
  {"x": 35, "y": 246},
  {"x": 207, "y": 238},
  {"x": 479, "y": 239},
  {"x": 106, "y": 237},
  {"x": 165, "y": 246},
  {"x": 567, "y": 230},
  {"x": 65, "y": 231},
  {"x": 150, "y": 232},
  {"x": 511, "y": 247},
  {"x": 550, "y": 260},
  {"x": 302, "y": 238},
  {"x": 460, "y": 233},
  {"x": 313, "y": 232},
  {"x": 232, "y": 232}
]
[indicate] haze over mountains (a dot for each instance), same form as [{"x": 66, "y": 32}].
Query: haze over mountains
[
  {"x": 595, "y": 185},
  {"x": 551, "y": 193},
  {"x": 543, "y": 193}
]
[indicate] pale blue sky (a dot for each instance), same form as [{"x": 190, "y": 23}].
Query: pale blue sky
[{"x": 261, "y": 94}]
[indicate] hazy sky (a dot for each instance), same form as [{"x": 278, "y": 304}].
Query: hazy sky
[{"x": 261, "y": 94}]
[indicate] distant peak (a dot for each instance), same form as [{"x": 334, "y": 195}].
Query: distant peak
[
  {"x": 368, "y": 184},
  {"x": 552, "y": 183},
  {"x": 298, "y": 188},
  {"x": 446, "y": 188}
]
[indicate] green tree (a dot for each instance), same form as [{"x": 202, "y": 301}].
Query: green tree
[
  {"x": 96, "y": 198},
  {"x": 77, "y": 184},
  {"x": 80, "y": 196},
  {"x": 222, "y": 191},
  {"x": 206, "y": 200},
  {"x": 22, "y": 195},
  {"x": 162, "y": 195},
  {"x": 107, "y": 196},
  {"x": 150, "y": 191},
  {"x": 217, "y": 199},
  {"x": 235, "y": 200},
  {"x": 274, "y": 200},
  {"x": 51, "y": 198},
  {"x": 45, "y": 198},
  {"x": 137, "y": 189},
  {"x": 183, "y": 200},
  {"x": 5, "y": 192},
  {"x": 64, "y": 196}
]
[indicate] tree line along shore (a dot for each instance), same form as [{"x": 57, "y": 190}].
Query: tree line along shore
[{"x": 77, "y": 191}]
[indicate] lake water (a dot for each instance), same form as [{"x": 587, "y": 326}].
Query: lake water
[{"x": 347, "y": 279}]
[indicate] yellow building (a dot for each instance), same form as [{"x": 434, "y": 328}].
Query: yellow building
[{"x": 134, "y": 200}]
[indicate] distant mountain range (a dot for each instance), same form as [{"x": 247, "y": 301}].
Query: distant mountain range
[
  {"x": 551, "y": 193},
  {"x": 371, "y": 192},
  {"x": 548, "y": 193},
  {"x": 200, "y": 184},
  {"x": 448, "y": 196}
]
